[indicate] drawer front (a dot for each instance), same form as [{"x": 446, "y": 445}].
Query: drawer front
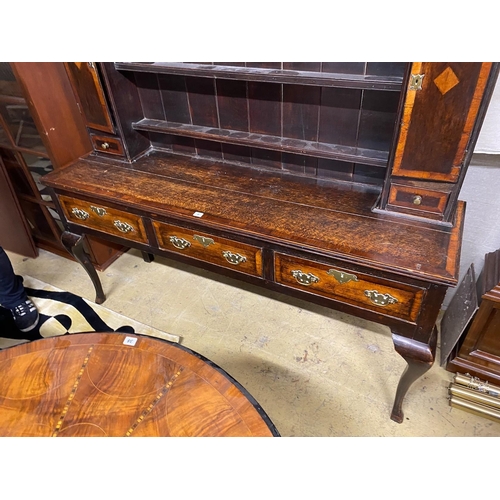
[
  {"x": 109, "y": 145},
  {"x": 361, "y": 290},
  {"x": 102, "y": 218},
  {"x": 423, "y": 200},
  {"x": 202, "y": 246}
]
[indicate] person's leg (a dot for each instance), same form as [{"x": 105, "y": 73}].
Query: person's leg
[
  {"x": 13, "y": 296},
  {"x": 11, "y": 287}
]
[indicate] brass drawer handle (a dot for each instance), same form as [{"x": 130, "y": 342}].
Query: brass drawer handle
[
  {"x": 417, "y": 200},
  {"x": 105, "y": 145},
  {"x": 380, "y": 299},
  {"x": 179, "y": 243},
  {"x": 233, "y": 258},
  {"x": 203, "y": 240},
  {"x": 305, "y": 278},
  {"x": 98, "y": 210},
  {"x": 342, "y": 277},
  {"x": 123, "y": 226},
  {"x": 79, "y": 213}
]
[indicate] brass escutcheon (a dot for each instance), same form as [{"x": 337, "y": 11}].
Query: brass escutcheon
[
  {"x": 342, "y": 277},
  {"x": 79, "y": 213},
  {"x": 380, "y": 299},
  {"x": 123, "y": 226},
  {"x": 179, "y": 243},
  {"x": 416, "y": 82},
  {"x": 304, "y": 278},
  {"x": 233, "y": 258},
  {"x": 203, "y": 240}
]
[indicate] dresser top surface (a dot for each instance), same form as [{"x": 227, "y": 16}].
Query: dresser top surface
[{"x": 329, "y": 218}]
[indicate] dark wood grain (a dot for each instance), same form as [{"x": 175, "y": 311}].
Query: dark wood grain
[
  {"x": 174, "y": 95},
  {"x": 323, "y": 149},
  {"x": 90, "y": 94},
  {"x": 347, "y": 75},
  {"x": 202, "y": 102},
  {"x": 233, "y": 105},
  {"x": 301, "y": 112},
  {"x": 264, "y": 106},
  {"x": 339, "y": 116},
  {"x": 449, "y": 114},
  {"x": 376, "y": 240}
]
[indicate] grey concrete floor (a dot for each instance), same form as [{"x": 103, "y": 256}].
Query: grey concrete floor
[{"x": 315, "y": 371}]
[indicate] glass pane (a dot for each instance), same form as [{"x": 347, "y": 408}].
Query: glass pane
[
  {"x": 16, "y": 172},
  {"x": 38, "y": 167},
  {"x": 37, "y": 221},
  {"x": 8, "y": 83},
  {"x": 21, "y": 126},
  {"x": 3, "y": 137}
]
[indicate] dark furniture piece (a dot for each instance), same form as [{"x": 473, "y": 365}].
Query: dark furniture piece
[
  {"x": 94, "y": 384},
  {"x": 41, "y": 130},
  {"x": 478, "y": 351},
  {"x": 332, "y": 182}
]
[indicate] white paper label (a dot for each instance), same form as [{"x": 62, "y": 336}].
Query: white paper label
[
  {"x": 130, "y": 341},
  {"x": 198, "y": 214}
]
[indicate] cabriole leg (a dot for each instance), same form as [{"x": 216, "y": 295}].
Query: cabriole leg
[
  {"x": 420, "y": 358},
  {"x": 74, "y": 245}
]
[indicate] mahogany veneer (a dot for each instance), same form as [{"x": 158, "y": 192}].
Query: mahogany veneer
[{"x": 97, "y": 384}]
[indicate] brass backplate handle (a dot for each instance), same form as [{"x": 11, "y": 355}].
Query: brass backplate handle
[
  {"x": 341, "y": 276},
  {"x": 179, "y": 243},
  {"x": 123, "y": 226},
  {"x": 304, "y": 278},
  {"x": 98, "y": 210},
  {"x": 233, "y": 258},
  {"x": 203, "y": 240},
  {"x": 380, "y": 299},
  {"x": 79, "y": 213}
]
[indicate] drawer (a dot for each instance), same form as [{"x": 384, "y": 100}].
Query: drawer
[
  {"x": 105, "y": 219},
  {"x": 106, "y": 144},
  {"x": 208, "y": 248},
  {"x": 382, "y": 296},
  {"x": 415, "y": 198}
]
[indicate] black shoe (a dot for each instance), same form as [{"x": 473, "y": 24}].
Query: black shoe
[{"x": 25, "y": 315}]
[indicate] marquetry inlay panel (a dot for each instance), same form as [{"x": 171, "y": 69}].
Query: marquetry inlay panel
[{"x": 446, "y": 81}]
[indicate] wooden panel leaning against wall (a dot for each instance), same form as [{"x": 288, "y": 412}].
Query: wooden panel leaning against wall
[{"x": 47, "y": 98}]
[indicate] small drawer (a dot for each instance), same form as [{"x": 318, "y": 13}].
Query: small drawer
[
  {"x": 105, "y": 219},
  {"x": 414, "y": 198},
  {"x": 383, "y": 296},
  {"x": 105, "y": 144},
  {"x": 208, "y": 248}
]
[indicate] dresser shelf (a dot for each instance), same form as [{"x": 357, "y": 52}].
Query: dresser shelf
[
  {"x": 271, "y": 75},
  {"x": 315, "y": 149}
]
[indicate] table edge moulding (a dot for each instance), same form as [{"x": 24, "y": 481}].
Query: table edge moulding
[{"x": 336, "y": 183}]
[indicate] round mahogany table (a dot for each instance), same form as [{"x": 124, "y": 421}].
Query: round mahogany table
[{"x": 113, "y": 384}]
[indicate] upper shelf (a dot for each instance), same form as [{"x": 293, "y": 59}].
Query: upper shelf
[
  {"x": 372, "y": 157},
  {"x": 267, "y": 75}
]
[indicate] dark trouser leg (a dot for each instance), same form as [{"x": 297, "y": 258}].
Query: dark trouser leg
[
  {"x": 74, "y": 244},
  {"x": 420, "y": 358},
  {"x": 11, "y": 287}
]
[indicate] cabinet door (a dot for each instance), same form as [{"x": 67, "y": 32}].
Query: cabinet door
[
  {"x": 90, "y": 94},
  {"x": 14, "y": 231},
  {"x": 440, "y": 110}
]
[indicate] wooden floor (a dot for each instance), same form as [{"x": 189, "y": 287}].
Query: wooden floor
[{"x": 111, "y": 384}]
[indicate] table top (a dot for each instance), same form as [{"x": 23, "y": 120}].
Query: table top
[{"x": 113, "y": 384}]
